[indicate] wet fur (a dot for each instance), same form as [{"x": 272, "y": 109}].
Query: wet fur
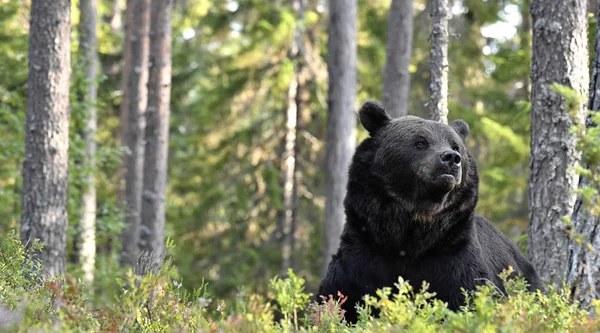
[{"x": 400, "y": 221}]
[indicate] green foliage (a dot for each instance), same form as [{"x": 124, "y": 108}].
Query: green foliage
[
  {"x": 585, "y": 133},
  {"x": 290, "y": 296},
  {"x": 156, "y": 303},
  {"x": 13, "y": 83},
  {"x": 231, "y": 75}
]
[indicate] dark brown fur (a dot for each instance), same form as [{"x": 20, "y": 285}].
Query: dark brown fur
[{"x": 409, "y": 215}]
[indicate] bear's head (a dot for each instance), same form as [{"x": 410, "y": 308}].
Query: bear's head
[{"x": 421, "y": 163}]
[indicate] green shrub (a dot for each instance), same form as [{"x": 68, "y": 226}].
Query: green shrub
[{"x": 157, "y": 303}]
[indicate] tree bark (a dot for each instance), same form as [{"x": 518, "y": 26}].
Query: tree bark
[
  {"x": 396, "y": 76},
  {"x": 157, "y": 134},
  {"x": 124, "y": 107},
  {"x": 525, "y": 44},
  {"x": 137, "y": 81},
  {"x": 289, "y": 185},
  {"x": 45, "y": 167},
  {"x": 293, "y": 113},
  {"x": 584, "y": 263},
  {"x": 88, "y": 47},
  {"x": 438, "y": 61},
  {"x": 559, "y": 55},
  {"x": 341, "y": 118}
]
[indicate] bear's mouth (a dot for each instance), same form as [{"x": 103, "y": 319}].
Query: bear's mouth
[
  {"x": 447, "y": 177},
  {"x": 447, "y": 180}
]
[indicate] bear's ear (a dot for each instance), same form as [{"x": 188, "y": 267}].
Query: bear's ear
[
  {"x": 373, "y": 117},
  {"x": 462, "y": 128}
]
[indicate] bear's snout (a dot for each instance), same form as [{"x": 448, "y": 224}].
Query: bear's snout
[{"x": 450, "y": 158}]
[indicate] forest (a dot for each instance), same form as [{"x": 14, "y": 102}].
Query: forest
[{"x": 181, "y": 165}]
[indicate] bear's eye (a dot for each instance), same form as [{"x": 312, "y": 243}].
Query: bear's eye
[
  {"x": 455, "y": 148},
  {"x": 421, "y": 144}
]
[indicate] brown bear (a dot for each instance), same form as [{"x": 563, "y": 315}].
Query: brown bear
[{"x": 410, "y": 212}]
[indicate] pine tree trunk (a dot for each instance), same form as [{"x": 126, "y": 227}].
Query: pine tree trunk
[
  {"x": 559, "y": 55},
  {"x": 124, "y": 107},
  {"x": 157, "y": 134},
  {"x": 45, "y": 167},
  {"x": 137, "y": 100},
  {"x": 584, "y": 263},
  {"x": 341, "y": 118},
  {"x": 525, "y": 91},
  {"x": 396, "y": 76},
  {"x": 438, "y": 61},
  {"x": 87, "y": 223}
]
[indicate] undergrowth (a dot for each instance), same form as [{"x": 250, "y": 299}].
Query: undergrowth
[{"x": 156, "y": 303}]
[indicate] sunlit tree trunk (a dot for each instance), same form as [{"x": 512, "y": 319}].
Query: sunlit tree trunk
[
  {"x": 292, "y": 174},
  {"x": 396, "y": 76},
  {"x": 584, "y": 269},
  {"x": 45, "y": 167},
  {"x": 137, "y": 100},
  {"x": 289, "y": 186},
  {"x": 341, "y": 118},
  {"x": 438, "y": 61},
  {"x": 87, "y": 223},
  {"x": 157, "y": 134},
  {"x": 559, "y": 55},
  {"x": 113, "y": 17}
]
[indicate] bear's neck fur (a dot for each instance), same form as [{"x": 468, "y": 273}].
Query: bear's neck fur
[{"x": 379, "y": 218}]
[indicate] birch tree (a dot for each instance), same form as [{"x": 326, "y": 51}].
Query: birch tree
[
  {"x": 438, "y": 61},
  {"x": 293, "y": 112},
  {"x": 87, "y": 224}
]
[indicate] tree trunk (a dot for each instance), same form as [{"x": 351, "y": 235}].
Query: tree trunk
[
  {"x": 123, "y": 110},
  {"x": 113, "y": 17},
  {"x": 438, "y": 61},
  {"x": 559, "y": 55},
  {"x": 45, "y": 167},
  {"x": 396, "y": 76},
  {"x": 87, "y": 223},
  {"x": 137, "y": 100},
  {"x": 592, "y": 6},
  {"x": 289, "y": 185},
  {"x": 584, "y": 263},
  {"x": 341, "y": 118},
  {"x": 157, "y": 134},
  {"x": 525, "y": 91}
]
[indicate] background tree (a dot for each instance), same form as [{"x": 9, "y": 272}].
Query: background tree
[
  {"x": 438, "y": 61},
  {"x": 157, "y": 133},
  {"x": 87, "y": 224},
  {"x": 124, "y": 105},
  {"x": 290, "y": 158},
  {"x": 559, "y": 55},
  {"x": 137, "y": 81},
  {"x": 231, "y": 72},
  {"x": 396, "y": 74},
  {"x": 45, "y": 167},
  {"x": 584, "y": 259},
  {"x": 341, "y": 117}
]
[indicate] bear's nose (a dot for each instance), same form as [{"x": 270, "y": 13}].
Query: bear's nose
[{"x": 450, "y": 158}]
